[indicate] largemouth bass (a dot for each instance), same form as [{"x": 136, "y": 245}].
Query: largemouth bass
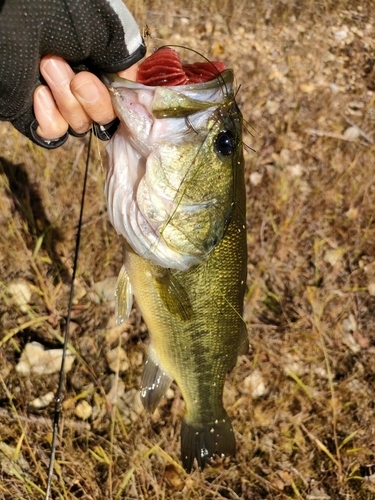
[{"x": 175, "y": 191}]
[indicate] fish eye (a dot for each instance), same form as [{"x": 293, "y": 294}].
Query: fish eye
[{"x": 225, "y": 143}]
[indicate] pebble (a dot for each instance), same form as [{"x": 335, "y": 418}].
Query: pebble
[
  {"x": 21, "y": 293},
  {"x": 255, "y": 178},
  {"x": 333, "y": 256},
  {"x": 352, "y": 133},
  {"x": 83, "y": 410},
  {"x": 106, "y": 289},
  {"x": 349, "y": 324},
  {"x": 371, "y": 288},
  {"x": 341, "y": 34},
  {"x": 254, "y": 384},
  {"x": 43, "y": 401},
  {"x": 295, "y": 170},
  {"x": 318, "y": 494},
  {"x": 349, "y": 341},
  {"x": 272, "y": 107},
  {"x": 37, "y": 360},
  {"x": 117, "y": 360}
]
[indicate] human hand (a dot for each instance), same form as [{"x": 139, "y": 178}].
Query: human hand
[
  {"x": 71, "y": 100},
  {"x": 91, "y": 35}
]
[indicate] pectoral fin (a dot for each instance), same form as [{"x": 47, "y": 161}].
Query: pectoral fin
[
  {"x": 173, "y": 295},
  {"x": 124, "y": 297},
  {"x": 154, "y": 383}
]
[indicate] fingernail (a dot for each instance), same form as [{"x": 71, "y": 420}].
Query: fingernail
[
  {"x": 58, "y": 72},
  {"x": 88, "y": 92},
  {"x": 45, "y": 98}
]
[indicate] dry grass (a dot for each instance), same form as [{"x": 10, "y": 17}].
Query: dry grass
[{"x": 307, "y": 76}]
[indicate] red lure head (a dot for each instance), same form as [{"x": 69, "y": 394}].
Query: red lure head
[{"x": 164, "y": 68}]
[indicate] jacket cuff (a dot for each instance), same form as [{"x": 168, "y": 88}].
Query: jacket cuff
[{"x": 126, "y": 63}]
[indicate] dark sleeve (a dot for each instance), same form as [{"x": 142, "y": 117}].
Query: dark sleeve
[{"x": 98, "y": 35}]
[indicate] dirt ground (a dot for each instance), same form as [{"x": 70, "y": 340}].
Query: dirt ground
[{"x": 302, "y": 402}]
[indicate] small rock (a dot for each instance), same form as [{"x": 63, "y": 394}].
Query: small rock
[
  {"x": 254, "y": 384},
  {"x": 83, "y": 410},
  {"x": 39, "y": 361},
  {"x": 371, "y": 288},
  {"x": 333, "y": 256},
  {"x": 340, "y": 34},
  {"x": 348, "y": 340},
  {"x": 294, "y": 366},
  {"x": 170, "y": 393},
  {"x": 322, "y": 372},
  {"x": 351, "y": 133},
  {"x": 106, "y": 290},
  {"x": 295, "y": 170},
  {"x": 43, "y": 401},
  {"x": 113, "y": 332},
  {"x": 349, "y": 324},
  {"x": 117, "y": 360},
  {"x": 272, "y": 107},
  {"x": 318, "y": 494},
  {"x": 133, "y": 401},
  {"x": 115, "y": 389},
  {"x": 256, "y": 178},
  {"x": 21, "y": 293},
  {"x": 128, "y": 403},
  {"x": 307, "y": 87}
]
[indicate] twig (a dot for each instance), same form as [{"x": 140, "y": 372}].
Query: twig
[
  {"x": 33, "y": 419},
  {"x": 322, "y": 133},
  {"x": 32, "y": 322},
  {"x": 321, "y": 446}
]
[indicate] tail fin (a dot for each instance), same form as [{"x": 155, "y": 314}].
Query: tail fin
[{"x": 204, "y": 441}]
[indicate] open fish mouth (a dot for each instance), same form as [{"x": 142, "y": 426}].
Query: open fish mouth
[{"x": 171, "y": 162}]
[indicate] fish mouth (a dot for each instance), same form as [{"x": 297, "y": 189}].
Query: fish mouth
[{"x": 161, "y": 191}]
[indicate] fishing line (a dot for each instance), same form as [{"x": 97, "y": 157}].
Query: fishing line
[{"x": 56, "y": 418}]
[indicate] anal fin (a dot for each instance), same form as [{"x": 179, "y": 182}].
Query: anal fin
[
  {"x": 154, "y": 383},
  {"x": 124, "y": 297}
]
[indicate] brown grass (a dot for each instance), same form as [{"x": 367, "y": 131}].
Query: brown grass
[{"x": 306, "y": 75}]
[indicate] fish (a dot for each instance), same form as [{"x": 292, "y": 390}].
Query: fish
[{"x": 175, "y": 191}]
